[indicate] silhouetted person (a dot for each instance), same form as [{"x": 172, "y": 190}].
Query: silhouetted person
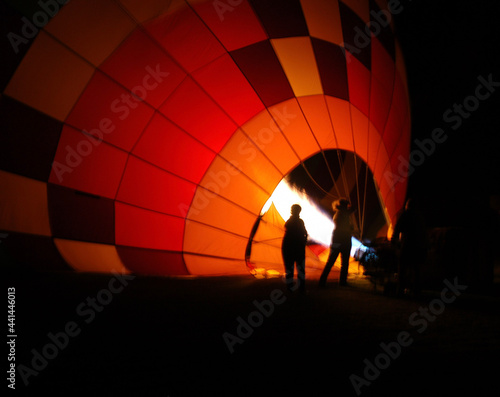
[
  {"x": 293, "y": 249},
  {"x": 341, "y": 241},
  {"x": 410, "y": 235}
]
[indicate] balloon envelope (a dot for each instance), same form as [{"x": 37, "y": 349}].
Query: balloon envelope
[{"x": 147, "y": 136}]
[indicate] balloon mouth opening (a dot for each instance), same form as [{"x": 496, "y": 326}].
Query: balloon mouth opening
[
  {"x": 315, "y": 184},
  {"x": 320, "y": 181}
]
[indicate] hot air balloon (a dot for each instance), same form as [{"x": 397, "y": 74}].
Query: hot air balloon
[{"x": 146, "y": 136}]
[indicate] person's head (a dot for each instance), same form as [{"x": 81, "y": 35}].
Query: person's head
[
  {"x": 341, "y": 204},
  {"x": 410, "y": 204},
  {"x": 295, "y": 210}
]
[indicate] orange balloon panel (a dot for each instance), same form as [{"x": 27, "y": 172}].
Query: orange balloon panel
[
  {"x": 297, "y": 58},
  {"x": 360, "y": 127},
  {"x": 50, "y": 78},
  {"x": 291, "y": 122},
  {"x": 248, "y": 158},
  {"x": 224, "y": 180},
  {"x": 323, "y": 19},
  {"x": 266, "y": 244},
  {"x": 318, "y": 118},
  {"x": 209, "y": 242},
  {"x": 167, "y": 126},
  {"x": 340, "y": 114},
  {"x": 221, "y": 214},
  {"x": 265, "y": 133},
  {"x": 24, "y": 205},
  {"x": 209, "y": 266},
  {"x": 90, "y": 257}
]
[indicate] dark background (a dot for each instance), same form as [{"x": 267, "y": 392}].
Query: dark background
[{"x": 447, "y": 45}]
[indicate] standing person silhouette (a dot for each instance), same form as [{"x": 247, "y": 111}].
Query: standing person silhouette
[
  {"x": 341, "y": 241},
  {"x": 293, "y": 249},
  {"x": 410, "y": 235}
]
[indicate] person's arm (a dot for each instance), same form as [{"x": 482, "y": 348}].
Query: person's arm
[{"x": 397, "y": 230}]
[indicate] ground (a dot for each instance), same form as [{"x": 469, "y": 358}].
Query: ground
[{"x": 103, "y": 335}]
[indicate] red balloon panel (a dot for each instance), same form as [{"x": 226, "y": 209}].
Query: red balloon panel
[
  {"x": 236, "y": 26},
  {"x": 359, "y": 85},
  {"x": 393, "y": 130},
  {"x": 382, "y": 66},
  {"x": 184, "y": 29},
  {"x": 148, "y": 186},
  {"x": 110, "y": 112},
  {"x": 137, "y": 227},
  {"x": 87, "y": 164},
  {"x": 143, "y": 67},
  {"x": 380, "y": 104},
  {"x": 225, "y": 83},
  {"x": 197, "y": 114},
  {"x": 170, "y": 148},
  {"x": 152, "y": 262}
]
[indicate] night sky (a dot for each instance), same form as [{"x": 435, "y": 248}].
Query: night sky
[{"x": 448, "y": 46}]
